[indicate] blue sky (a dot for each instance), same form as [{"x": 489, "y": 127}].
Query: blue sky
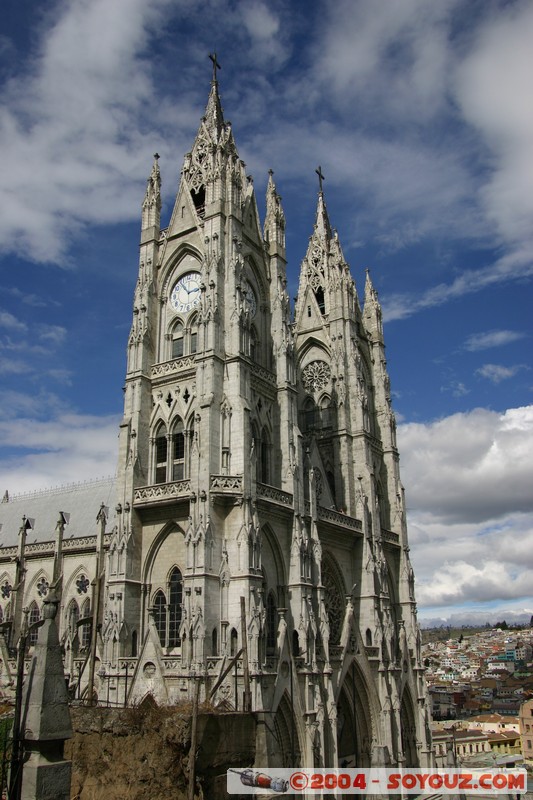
[{"x": 419, "y": 113}]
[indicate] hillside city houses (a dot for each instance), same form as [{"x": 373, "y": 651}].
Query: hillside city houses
[{"x": 481, "y": 691}]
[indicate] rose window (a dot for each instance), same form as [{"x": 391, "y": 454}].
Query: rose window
[{"x": 316, "y": 376}]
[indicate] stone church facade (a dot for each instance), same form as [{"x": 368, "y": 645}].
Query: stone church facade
[{"x": 256, "y": 545}]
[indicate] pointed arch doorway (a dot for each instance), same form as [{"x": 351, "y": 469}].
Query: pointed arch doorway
[{"x": 354, "y": 722}]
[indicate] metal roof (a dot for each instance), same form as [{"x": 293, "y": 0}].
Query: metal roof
[{"x": 81, "y": 500}]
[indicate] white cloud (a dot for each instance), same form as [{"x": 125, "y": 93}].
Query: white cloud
[
  {"x": 263, "y": 26},
  {"x": 468, "y": 481},
  {"x": 54, "y": 334},
  {"x": 461, "y": 582},
  {"x": 9, "y": 321},
  {"x": 474, "y": 466},
  {"x": 484, "y": 341},
  {"x": 514, "y": 265},
  {"x": 56, "y": 451},
  {"x": 71, "y": 152},
  {"x": 493, "y": 86},
  {"x": 498, "y": 373},
  {"x": 12, "y": 366},
  {"x": 391, "y": 56},
  {"x": 260, "y": 22}
]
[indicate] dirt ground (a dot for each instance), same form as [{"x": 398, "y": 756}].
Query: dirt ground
[{"x": 136, "y": 753}]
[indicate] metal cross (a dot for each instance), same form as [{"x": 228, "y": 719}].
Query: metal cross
[
  {"x": 320, "y": 177},
  {"x": 216, "y": 65}
]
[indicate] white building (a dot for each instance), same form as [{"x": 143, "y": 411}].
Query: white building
[{"x": 257, "y": 470}]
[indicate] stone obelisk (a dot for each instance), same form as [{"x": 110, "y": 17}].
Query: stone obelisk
[{"x": 45, "y": 716}]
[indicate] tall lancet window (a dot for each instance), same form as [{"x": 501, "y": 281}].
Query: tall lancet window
[
  {"x": 264, "y": 458},
  {"x": 160, "y": 454},
  {"x": 177, "y": 341},
  {"x": 33, "y": 617},
  {"x": 193, "y": 335},
  {"x": 178, "y": 452},
  {"x": 174, "y": 607},
  {"x": 160, "y": 616}
]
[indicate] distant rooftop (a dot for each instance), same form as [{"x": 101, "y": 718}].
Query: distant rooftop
[
  {"x": 81, "y": 500},
  {"x": 64, "y": 487}
]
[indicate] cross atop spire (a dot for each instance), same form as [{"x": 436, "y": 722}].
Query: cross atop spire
[
  {"x": 216, "y": 65},
  {"x": 321, "y": 178}
]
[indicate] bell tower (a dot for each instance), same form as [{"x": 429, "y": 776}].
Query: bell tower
[{"x": 260, "y": 518}]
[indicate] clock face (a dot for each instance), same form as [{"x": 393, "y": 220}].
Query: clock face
[
  {"x": 186, "y": 293},
  {"x": 249, "y": 298}
]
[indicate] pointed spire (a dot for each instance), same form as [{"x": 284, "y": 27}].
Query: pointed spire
[
  {"x": 214, "y": 116},
  {"x": 322, "y": 225},
  {"x": 151, "y": 208},
  {"x": 371, "y": 294},
  {"x": 372, "y": 308},
  {"x": 274, "y": 229}
]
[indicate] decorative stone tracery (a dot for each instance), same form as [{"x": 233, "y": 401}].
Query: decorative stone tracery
[
  {"x": 333, "y": 601},
  {"x": 316, "y": 376}
]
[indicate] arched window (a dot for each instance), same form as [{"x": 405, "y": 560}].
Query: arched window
[
  {"x": 214, "y": 642},
  {"x": 174, "y": 607},
  {"x": 161, "y": 451},
  {"x": 133, "y": 644},
  {"x": 171, "y": 453},
  {"x": 73, "y": 615},
  {"x": 33, "y": 616},
  {"x": 160, "y": 616},
  {"x": 295, "y": 644},
  {"x": 193, "y": 335},
  {"x": 319, "y": 294},
  {"x": 234, "y": 639},
  {"x": 331, "y": 483},
  {"x": 177, "y": 341},
  {"x": 185, "y": 338},
  {"x": 254, "y": 345},
  {"x": 85, "y": 630},
  {"x": 368, "y": 637},
  {"x": 198, "y": 198},
  {"x": 334, "y": 598},
  {"x": 325, "y": 412},
  {"x": 178, "y": 452},
  {"x": 264, "y": 462},
  {"x": 272, "y": 624},
  {"x": 311, "y": 415}
]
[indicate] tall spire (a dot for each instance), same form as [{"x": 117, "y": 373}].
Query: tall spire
[
  {"x": 372, "y": 308},
  {"x": 214, "y": 116},
  {"x": 274, "y": 229},
  {"x": 322, "y": 226},
  {"x": 151, "y": 208}
]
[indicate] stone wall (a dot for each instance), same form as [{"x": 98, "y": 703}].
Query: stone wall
[{"x": 140, "y": 753}]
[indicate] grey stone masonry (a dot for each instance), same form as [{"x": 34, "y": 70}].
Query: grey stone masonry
[{"x": 45, "y": 716}]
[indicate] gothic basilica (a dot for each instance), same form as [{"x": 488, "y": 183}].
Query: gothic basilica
[{"x": 252, "y": 546}]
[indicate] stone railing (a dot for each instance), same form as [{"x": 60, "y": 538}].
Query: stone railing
[
  {"x": 263, "y": 374},
  {"x": 390, "y": 536},
  {"x": 145, "y": 495},
  {"x": 39, "y": 549},
  {"x": 335, "y": 517},
  {"x": 330, "y": 515},
  {"x": 266, "y": 492},
  {"x": 226, "y": 484},
  {"x": 172, "y": 367}
]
